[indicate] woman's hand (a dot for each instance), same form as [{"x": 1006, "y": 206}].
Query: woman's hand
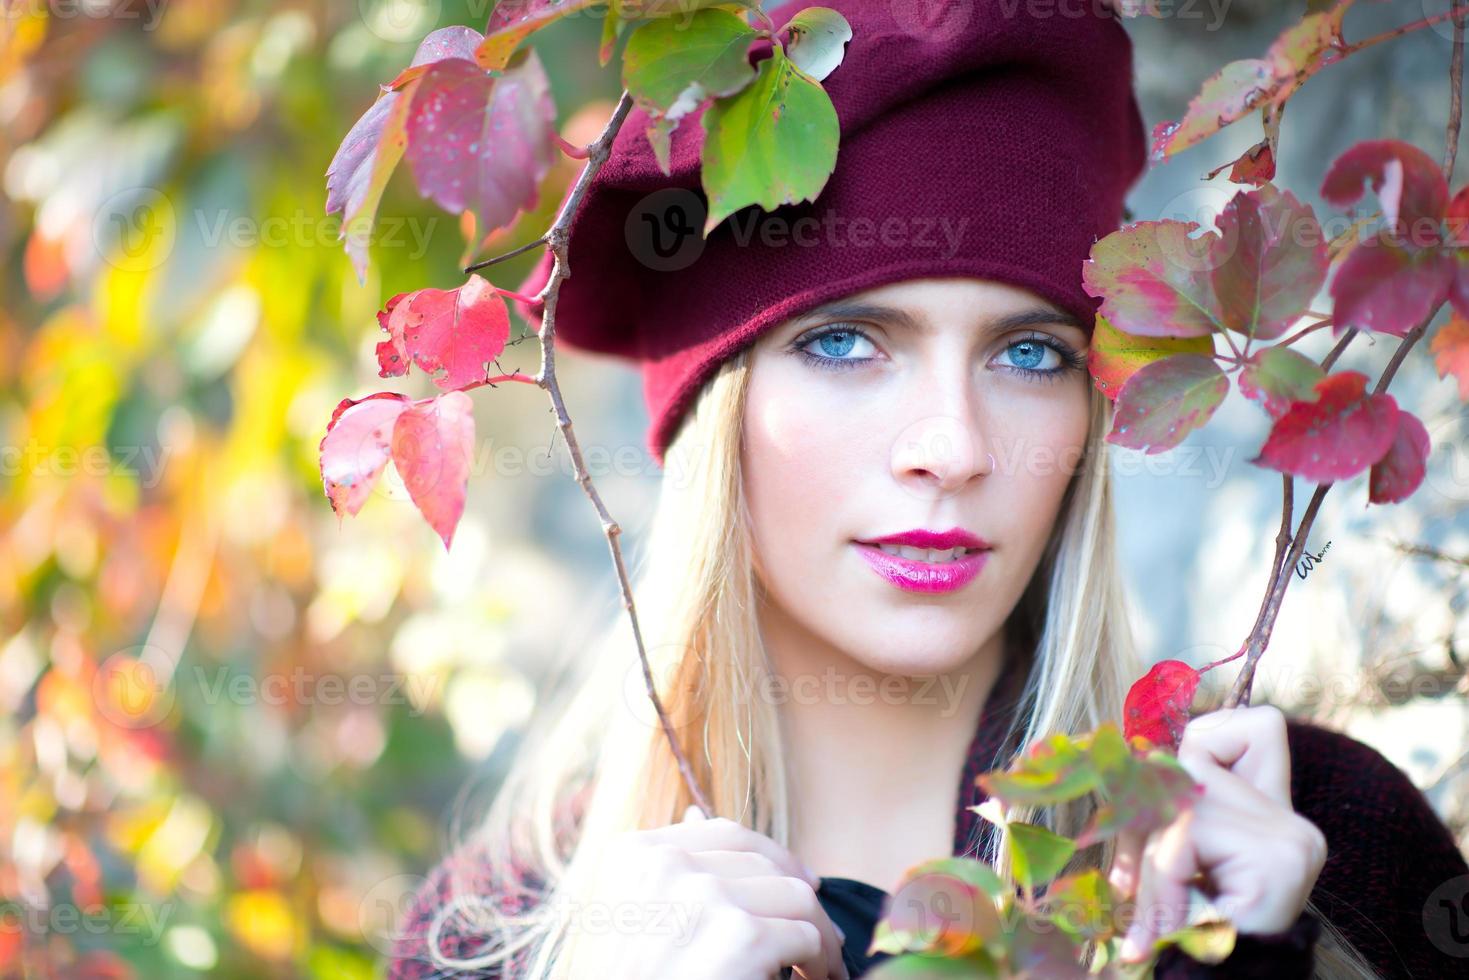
[
  {"x": 1259, "y": 858},
  {"x": 732, "y": 904}
]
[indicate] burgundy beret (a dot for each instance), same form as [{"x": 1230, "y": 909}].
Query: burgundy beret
[{"x": 988, "y": 138}]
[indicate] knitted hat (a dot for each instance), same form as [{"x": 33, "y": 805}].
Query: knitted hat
[{"x": 987, "y": 138}]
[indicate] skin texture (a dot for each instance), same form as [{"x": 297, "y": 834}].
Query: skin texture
[{"x": 900, "y": 438}]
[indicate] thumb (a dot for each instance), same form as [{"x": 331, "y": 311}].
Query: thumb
[{"x": 693, "y": 813}]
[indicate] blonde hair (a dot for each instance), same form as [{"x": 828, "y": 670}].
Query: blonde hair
[{"x": 695, "y": 591}]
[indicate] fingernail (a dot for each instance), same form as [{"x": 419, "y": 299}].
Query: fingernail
[
  {"x": 840, "y": 935},
  {"x": 811, "y": 875},
  {"x": 1132, "y": 947}
]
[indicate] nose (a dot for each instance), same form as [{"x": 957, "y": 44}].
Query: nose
[{"x": 940, "y": 455}]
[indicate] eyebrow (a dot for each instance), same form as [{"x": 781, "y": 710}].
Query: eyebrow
[{"x": 847, "y": 310}]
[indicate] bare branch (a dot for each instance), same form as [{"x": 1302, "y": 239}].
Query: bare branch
[{"x": 557, "y": 239}]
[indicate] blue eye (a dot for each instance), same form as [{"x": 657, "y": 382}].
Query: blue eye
[
  {"x": 1031, "y": 351},
  {"x": 832, "y": 344},
  {"x": 828, "y": 347}
]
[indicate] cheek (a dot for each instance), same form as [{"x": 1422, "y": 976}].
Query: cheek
[
  {"x": 800, "y": 469},
  {"x": 785, "y": 465},
  {"x": 1043, "y": 448}
]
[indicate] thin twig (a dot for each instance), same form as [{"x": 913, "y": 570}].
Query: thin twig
[
  {"x": 557, "y": 240},
  {"x": 1428, "y": 551},
  {"x": 508, "y": 255},
  {"x": 1342, "y": 52},
  {"x": 1456, "y": 96},
  {"x": 1303, "y": 331}
]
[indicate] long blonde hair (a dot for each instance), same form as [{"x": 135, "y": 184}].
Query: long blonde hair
[{"x": 695, "y": 589}]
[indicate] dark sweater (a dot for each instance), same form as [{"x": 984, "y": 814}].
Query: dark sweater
[{"x": 1395, "y": 882}]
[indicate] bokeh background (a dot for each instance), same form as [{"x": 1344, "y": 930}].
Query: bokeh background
[{"x": 234, "y": 731}]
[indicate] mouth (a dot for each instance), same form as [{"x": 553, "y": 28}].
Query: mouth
[{"x": 927, "y": 570}]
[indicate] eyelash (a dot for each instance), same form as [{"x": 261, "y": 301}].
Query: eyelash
[{"x": 1071, "y": 360}]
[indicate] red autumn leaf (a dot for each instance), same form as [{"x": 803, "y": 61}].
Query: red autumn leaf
[
  {"x": 457, "y": 331},
  {"x": 1386, "y": 289},
  {"x": 1239, "y": 87},
  {"x": 356, "y": 447},
  {"x": 1267, "y": 274},
  {"x": 482, "y": 142},
  {"x": 430, "y": 441},
  {"x": 1157, "y": 704},
  {"x": 359, "y": 171},
  {"x": 1337, "y": 436},
  {"x": 510, "y": 23},
  {"x": 1456, "y": 220},
  {"x": 1395, "y": 476},
  {"x": 1164, "y": 401},
  {"x": 1409, "y": 185},
  {"x": 1154, "y": 280},
  {"x": 433, "y": 446},
  {"x": 1277, "y": 376},
  {"x": 1255, "y": 166},
  {"x": 1450, "y": 349},
  {"x": 1230, "y": 93},
  {"x": 1256, "y": 274}
]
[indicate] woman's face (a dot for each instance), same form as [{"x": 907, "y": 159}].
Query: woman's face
[{"x": 876, "y": 415}]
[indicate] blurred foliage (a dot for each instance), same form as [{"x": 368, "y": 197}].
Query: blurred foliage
[{"x": 230, "y": 727}]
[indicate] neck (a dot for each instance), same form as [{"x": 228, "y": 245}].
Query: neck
[{"x": 874, "y": 759}]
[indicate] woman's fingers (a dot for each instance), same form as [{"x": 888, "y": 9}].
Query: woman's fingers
[
  {"x": 1126, "y": 857},
  {"x": 791, "y": 898},
  {"x": 1250, "y": 742},
  {"x": 723, "y": 834},
  {"x": 1168, "y": 864},
  {"x": 737, "y": 864},
  {"x": 799, "y": 942},
  {"x": 1259, "y": 857}
]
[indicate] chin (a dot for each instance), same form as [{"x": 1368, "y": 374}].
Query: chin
[{"x": 921, "y": 655}]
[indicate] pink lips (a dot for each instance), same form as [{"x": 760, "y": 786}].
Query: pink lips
[{"x": 924, "y": 576}]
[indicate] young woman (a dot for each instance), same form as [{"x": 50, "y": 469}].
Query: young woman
[{"x": 883, "y": 561}]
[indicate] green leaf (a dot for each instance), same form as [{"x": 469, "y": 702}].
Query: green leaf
[
  {"x": 1038, "y": 854},
  {"x": 1056, "y": 770},
  {"x": 773, "y": 143},
  {"x": 818, "y": 40},
  {"x": 915, "y": 966},
  {"x": 612, "y": 27},
  {"x": 671, "y": 66},
  {"x": 1277, "y": 376},
  {"x": 1166, "y": 400},
  {"x": 1141, "y": 793},
  {"x": 1082, "y": 904},
  {"x": 1208, "y": 941},
  {"x": 942, "y": 906},
  {"x": 967, "y": 870}
]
